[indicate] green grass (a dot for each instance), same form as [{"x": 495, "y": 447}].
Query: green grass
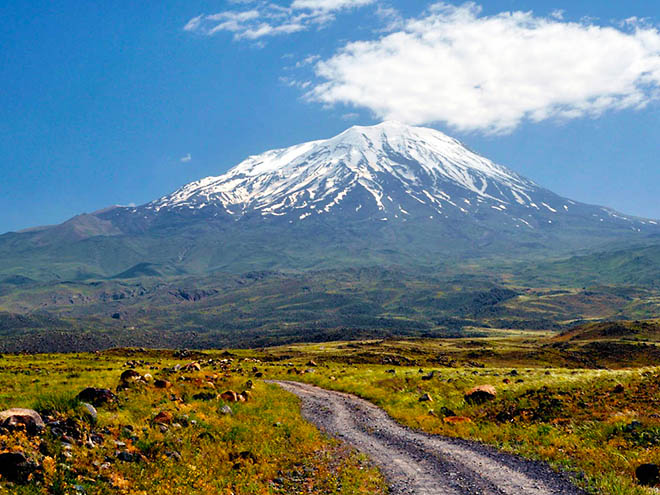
[
  {"x": 263, "y": 447},
  {"x": 570, "y": 415},
  {"x": 571, "y": 418}
]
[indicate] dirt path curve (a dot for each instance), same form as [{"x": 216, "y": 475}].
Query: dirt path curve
[{"x": 421, "y": 464}]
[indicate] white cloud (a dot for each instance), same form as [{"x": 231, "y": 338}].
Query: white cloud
[
  {"x": 558, "y": 14},
  {"x": 307, "y": 61},
  {"x": 392, "y": 18},
  {"x": 264, "y": 19},
  {"x": 186, "y": 159},
  {"x": 490, "y": 73},
  {"x": 329, "y": 5}
]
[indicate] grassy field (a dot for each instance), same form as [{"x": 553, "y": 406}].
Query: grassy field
[
  {"x": 263, "y": 446},
  {"x": 600, "y": 422}
]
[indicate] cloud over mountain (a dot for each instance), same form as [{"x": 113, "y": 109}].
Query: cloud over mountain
[{"x": 490, "y": 73}]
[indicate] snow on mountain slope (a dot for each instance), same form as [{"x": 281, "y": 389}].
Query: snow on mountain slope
[{"x": 388, "y": 171}]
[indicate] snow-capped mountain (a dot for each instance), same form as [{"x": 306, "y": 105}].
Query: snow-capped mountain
[
  {"x": 385, "y": 194},
  {"x": 389, "y": 172}
]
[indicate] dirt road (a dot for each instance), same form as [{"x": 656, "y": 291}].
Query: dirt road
[{"x": 421, "y": 464}]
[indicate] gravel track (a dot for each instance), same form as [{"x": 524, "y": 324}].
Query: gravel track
[{"x": 422, "y": 464}]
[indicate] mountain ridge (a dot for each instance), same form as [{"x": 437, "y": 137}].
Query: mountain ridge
[{"x": 389, "y": 194}]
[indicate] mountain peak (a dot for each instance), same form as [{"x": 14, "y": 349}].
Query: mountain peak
[
  {"x": 386, "y": 172},
  {"x": 392, "y": 130},
  {"x": 423, "y": 165}
]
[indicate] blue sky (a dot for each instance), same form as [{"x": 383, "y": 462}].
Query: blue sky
[{"x": 120, "y": 104}]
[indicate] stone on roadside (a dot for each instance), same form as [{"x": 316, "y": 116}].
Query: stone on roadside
[{"x": 445, "y": 411}]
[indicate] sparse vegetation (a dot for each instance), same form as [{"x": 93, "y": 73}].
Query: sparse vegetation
[
  {"x": 270, "y": 308},
  {"x": 168, "y": 440},
  {"x": 595, "y": 417}
]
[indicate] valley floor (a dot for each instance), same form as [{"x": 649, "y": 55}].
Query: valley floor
[{"x": 209, "y": 422}]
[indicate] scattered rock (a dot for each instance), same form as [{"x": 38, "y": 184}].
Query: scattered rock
[
  {"x": 429, "y": 376},
  {"x": 148, "y": 377},
  {"x": 648, "y": 474},
  {"x": 226, "y": 410},
  {"x": 14, "y": 466},
  {"x": 425, "y": 398},
  {"x": 90, "y": 412},
  {"x": 311, "y": 363},
  {"x": 97, "y": 396},
  {"x": 163, "y": 417},
  {"x": 192, "y": 367},
  {"x": 480, "y": 394},
  {"x": 445, "y": 411},
  {"x": 21, "y": 419},
  {"x": 129, "y": 376},
  {"x": 229, "y": 396},
  {"x": 162, "y": 384},
  {"x": 618, "y": 389}
]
